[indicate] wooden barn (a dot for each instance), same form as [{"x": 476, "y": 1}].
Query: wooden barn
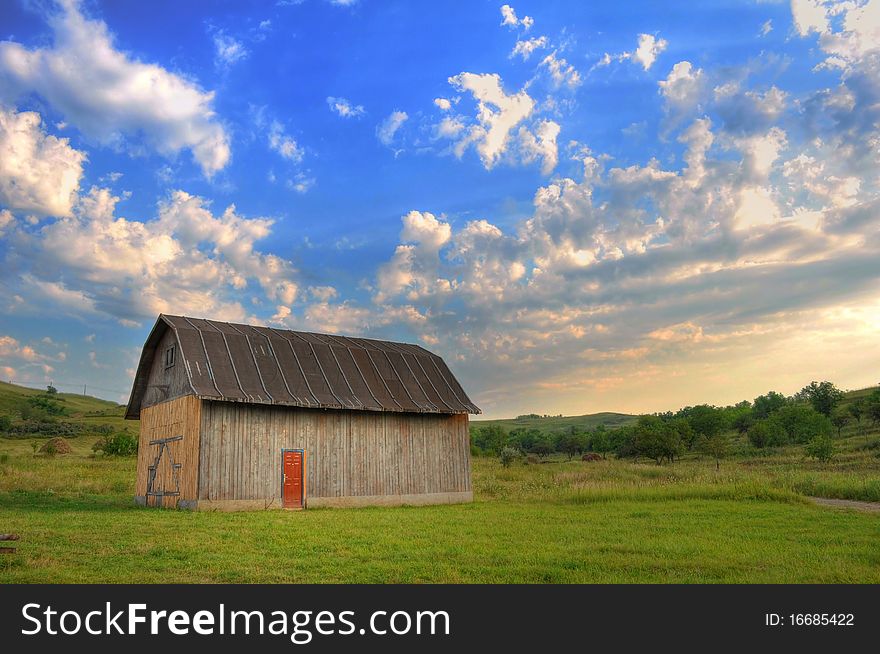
[{"x": 238, "y": 417}]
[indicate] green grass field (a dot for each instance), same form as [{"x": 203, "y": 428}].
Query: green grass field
[{"x": 578, "y": 522}]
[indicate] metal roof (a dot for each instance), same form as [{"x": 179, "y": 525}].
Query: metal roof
[{"x": 262, "y": 365}]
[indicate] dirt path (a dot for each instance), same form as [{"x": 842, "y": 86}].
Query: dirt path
[{"x": 848, "y": 504}]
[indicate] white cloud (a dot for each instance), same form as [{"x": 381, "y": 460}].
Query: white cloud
[
  {"x": 809, "y": 16},
  {"x": 388, "y": 128},
  {"x": 227, "y": 50},
  {"x": 766, "y": 27},
  {"x": 449, "y": 128},
  {"x": 186, "y": 259},
  {"x": 683, "y": 87},
  {"x": 344, "y": 108},
  {"x": 648, "y": 50},
  {"x": 540, "y": 145},
  {"x": 509, "y": 18},
  {"x": 110, "y": 96},
  {"x": 849, "y": 32},
  {"x": 527, "y": 47},
  {"x": 283, "y": 144},
  {"x": 39, "y": 173},
  {"x": 561, "y": 72},
  {"x": 443, "y": 104},
  {"x": 497, "y": 114}
]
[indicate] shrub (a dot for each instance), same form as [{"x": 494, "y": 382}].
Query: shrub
[
  {"x": 5, "y": 423},
  {"x": 766, "y": 433},
  {"x": 508, "y": 455},
  {"x": 46, "y": 404},
  {"x": 532, "y": 459},
  {"x": 119, "y": 444},
  {"x": 821, "y": 447}
]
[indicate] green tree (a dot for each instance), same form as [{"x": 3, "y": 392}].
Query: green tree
[
  {"x": 570, "y": 443},
  {"x": 743, "y": 422},
  {"x": 767, "y": 433},
  {"x": 717, "y": 446},
  {"x": 656, "y": 439},
  {"x": 840, "y": 419},
  {"x": 821, "y": 448},
  {"x": 768, "y": 404},
  {"x": 51, "y": 390},
  {"x": 872, "y": 407},
  {"x": 542, "y": 447},
  {"x": 802, "y": 422},
  {"x": 5, "y": 423},
  {"x": 857, "y": 411},
  {"x": 706, "y": 420},
  {"x": 491, "y": 438},
  {"x": 601, "y": 441},
  {"x": 823, "y": 396}
]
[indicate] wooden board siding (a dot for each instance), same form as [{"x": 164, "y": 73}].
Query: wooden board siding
[
  {"x": 379, "y": 457},
  {"x": 180, "y": 417},
  {"x": 163, "y": 383}
]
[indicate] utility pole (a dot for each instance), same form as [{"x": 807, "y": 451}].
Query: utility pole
[{"x": 84, "y": 390}]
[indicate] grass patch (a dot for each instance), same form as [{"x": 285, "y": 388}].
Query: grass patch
[{"x": 559, "y": 522}]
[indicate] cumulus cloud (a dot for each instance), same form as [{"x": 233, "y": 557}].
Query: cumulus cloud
[
  {"x": 614, "y": 273},
  {"x": 39, "y": 173},
  {"x": 683, "y": 88},
  {"x": 110, "y": 96},
  {"x": 389, "y": 127},
  {"x": 497, "y": 114},
  {"x": 510, "y": 19},
  {"x": 443, "y": 104},
  {"x": 849, "y": 32},
  {"x": 540, "y": 145},
  {"x": 649, "y": 48},
  {"x": 185, "y": 260},
  {"x": 344, "y": 108}
]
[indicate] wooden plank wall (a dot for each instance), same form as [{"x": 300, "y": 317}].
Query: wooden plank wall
[
  {"x": 348, "y": 453},
  {"x": 165, "y": 384},
  {"x": 180, "y": 417}
]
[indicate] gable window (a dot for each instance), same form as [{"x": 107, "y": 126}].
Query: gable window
[{"x": 169, "y": 357}]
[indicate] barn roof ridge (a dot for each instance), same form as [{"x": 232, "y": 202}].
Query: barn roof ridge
[{"x": 266, "y": 365}]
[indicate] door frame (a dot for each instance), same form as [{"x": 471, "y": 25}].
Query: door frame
[{"x": 302, "y": 472}]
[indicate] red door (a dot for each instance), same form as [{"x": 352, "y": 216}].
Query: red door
[{"x": 292, "y": 482}]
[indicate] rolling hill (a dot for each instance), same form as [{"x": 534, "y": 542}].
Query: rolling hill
[{"x": 556, "y": 423}]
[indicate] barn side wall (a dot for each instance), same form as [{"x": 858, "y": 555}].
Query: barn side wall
[
  {"x": 180, "y": 417},
  {"x": 163, "y": 383},
  {"x": 353, "y": 458}
]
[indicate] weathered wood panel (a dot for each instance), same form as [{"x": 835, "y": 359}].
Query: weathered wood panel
[
  {"x": 349, "y": 454},
  {"x": 163, "y": 383},
  {"x": 176, "y": 418}
]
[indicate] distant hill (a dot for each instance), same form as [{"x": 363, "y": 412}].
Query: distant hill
[
  {"x": 593, "y": 420},
  {"x": 81, "y": 409},
  {"x": 554, "y": 423},
  {"x": 12, "y": 397}
]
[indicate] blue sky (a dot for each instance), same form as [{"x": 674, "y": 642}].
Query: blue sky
[{"x": 582, "y": 206}]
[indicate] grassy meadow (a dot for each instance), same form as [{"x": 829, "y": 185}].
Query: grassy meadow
[{"x": 557, "y": 522}]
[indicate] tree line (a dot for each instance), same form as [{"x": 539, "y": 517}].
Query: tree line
[{"x": 810, "y": 417}]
